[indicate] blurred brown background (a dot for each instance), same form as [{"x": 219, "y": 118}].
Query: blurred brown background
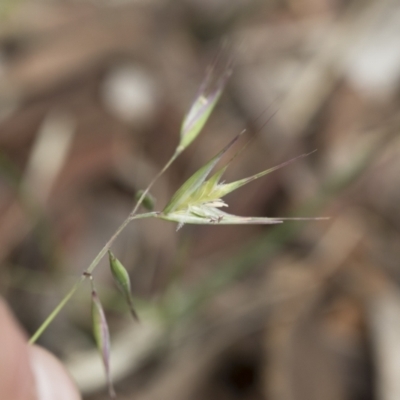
[{"x": 92, "y": 95}]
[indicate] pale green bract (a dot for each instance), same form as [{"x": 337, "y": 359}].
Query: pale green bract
[{"x": 197, "y": 118}]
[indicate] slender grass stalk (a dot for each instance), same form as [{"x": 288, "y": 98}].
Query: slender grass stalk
[
  {"x": 132, "y": 216},
  {"x": 166, "y": 166},
  {"x": 89, "y": 271}
]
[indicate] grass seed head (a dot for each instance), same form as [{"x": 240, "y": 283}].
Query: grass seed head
[{"x": 198, "y": 200}]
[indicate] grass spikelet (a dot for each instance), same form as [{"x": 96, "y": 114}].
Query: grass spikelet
[
  {"x": 205, "y": 102},
  {"x": 183, "y": 194},
  {"x": 148, "y": 201},
  {"x": 102, "y": 337},
  {"x": 122, "y": 280},
  {"x": 198, "y": 200}
]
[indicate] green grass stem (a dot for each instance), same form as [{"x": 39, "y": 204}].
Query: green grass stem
[{"x": 86, "y": 273}]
